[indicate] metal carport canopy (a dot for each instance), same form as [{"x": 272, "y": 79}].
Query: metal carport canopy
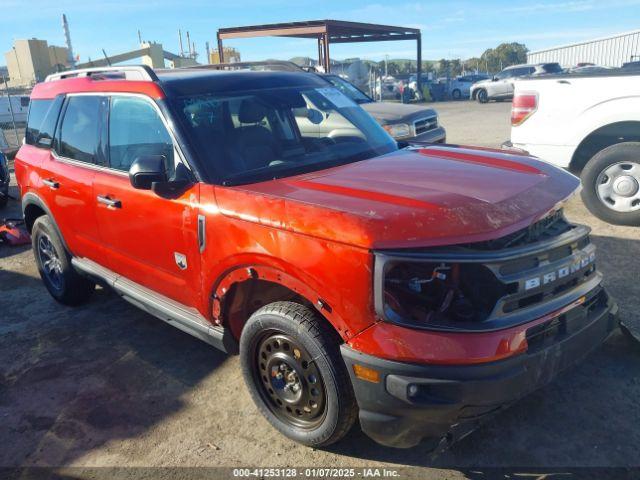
[{"x": 326, "y": 32}]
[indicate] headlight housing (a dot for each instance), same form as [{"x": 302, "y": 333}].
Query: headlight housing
[
  {"x": 398, "y": 130},
  {"x": 439, "y": 294},
  {"x": 487, "y": 285}
]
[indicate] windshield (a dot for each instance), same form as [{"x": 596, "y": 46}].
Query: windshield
[
  {"x": 252, "y": 136},
  {"x": 349, "y": 89}
]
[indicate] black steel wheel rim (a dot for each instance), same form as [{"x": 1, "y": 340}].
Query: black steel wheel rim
[
  {"x": 50, "y": 262},
  {"x": 289, "y": 380}
]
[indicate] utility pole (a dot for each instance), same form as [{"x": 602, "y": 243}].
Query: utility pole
[{"x": 386, "y": 71}]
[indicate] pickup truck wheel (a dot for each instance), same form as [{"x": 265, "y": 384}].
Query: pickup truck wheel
[
  {"x": 611, "y": 184},
  {"x": 54, "y": 264},
  {"x": 456, "y": 94},
  {"x": 482, "y": 96},
  {"x": 293, "y": 369}
]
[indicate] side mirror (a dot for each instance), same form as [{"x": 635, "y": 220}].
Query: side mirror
[
  {"x": 147, "y": 170},
  {"x": 315, "y": 116}
]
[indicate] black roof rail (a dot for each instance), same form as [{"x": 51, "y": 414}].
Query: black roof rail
[{"x": 130, "y": 72}]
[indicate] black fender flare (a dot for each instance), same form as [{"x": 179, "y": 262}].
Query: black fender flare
[{"x": 31, "y": 198}]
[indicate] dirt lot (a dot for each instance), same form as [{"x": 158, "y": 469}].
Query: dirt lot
[{"x": 107, "y": 385}]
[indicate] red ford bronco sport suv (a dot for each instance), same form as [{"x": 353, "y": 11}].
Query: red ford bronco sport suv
[{"x": 422, "y": 288}]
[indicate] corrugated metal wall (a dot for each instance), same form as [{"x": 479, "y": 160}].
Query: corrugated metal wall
[{"x": 610, "y": 52}]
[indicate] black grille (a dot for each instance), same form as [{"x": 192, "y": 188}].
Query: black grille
[
  {"x": 549, "y": 227},
  {"x": 425, "y": 124}
]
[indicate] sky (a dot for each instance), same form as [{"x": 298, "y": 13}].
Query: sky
[{"x": 450, "y": 29}]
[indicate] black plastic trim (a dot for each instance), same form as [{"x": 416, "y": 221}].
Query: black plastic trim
[{"x": 449, "y": 399}]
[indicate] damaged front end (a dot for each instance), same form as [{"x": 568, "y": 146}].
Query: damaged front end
[
  {"x": 467, "y": 330},
  {"x": 490, "y": 285}
]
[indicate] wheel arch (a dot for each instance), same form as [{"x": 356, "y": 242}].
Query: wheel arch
[
  {"x": 239, "y": 292},
  {"x": 601, "y": 138},
  {"x": 34, "y": 207}
]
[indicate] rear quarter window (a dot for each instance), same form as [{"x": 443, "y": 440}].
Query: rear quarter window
[{"x": 41, "y": 122}]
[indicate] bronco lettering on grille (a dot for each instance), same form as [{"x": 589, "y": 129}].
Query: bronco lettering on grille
[{"x": 576, "y": 265}]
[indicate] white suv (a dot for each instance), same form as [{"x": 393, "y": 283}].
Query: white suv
[{"x": 500, "y": 87}]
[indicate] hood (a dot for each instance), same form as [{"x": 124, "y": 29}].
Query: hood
[
  {"x": 388, "y": 112},
  {"x": 409, "y": 198},
  {"x": 480, "y": 82}
]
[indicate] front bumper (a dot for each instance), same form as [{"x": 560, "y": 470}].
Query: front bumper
[
  {"x": 442, "y": 403},
  {"x": 436, "y": 135}
]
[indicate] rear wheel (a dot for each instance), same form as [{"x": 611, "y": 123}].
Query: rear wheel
[
  {"x": 54, "y": 264},
  {"x": 611, "y": 184},
  {"x": 482, "y": 96},
  {"x": 292, "y": 366}
]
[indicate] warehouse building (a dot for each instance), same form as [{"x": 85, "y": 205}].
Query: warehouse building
[{"x": 611, "y": 51}]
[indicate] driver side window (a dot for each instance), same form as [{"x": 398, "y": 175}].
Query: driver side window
[{"x": 136, "y": 130}]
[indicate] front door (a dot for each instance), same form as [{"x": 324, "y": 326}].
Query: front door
[{"x": 149, "y": 239}]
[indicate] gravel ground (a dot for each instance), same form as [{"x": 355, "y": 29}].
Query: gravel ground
[{"x": 107, "y": 385}]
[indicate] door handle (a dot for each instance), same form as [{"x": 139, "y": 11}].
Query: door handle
[
  {"x": 52, "y": 184},
  {"x": 109, "y": 202}
]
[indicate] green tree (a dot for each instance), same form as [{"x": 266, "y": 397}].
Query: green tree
[{"x": 504, "y": 55}]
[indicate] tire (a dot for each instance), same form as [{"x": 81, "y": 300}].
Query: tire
[
  {"x": 324, "y": 408},
  {"x": 611, "y": 184},
  {"x": 482, "y": 96},
  {"x": 456, "y": 94},
  {"x": 54, "y": 264}
]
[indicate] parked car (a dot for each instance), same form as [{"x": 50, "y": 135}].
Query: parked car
[
  {"x": 460, "y": 87},
  {"x": 589, "y": 124},
  {"x": 387, "y": 88},
  {"x": 500, "y": 87},
  {"x": 422, "y": 289},
  {"x": 412, "y": 123},
  {"x": 4, "y": 180}
]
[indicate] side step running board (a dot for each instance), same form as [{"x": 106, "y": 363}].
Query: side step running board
[{"x": 187, "y": 319}]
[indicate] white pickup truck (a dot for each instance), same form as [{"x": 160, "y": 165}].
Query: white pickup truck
[{"x": 590, "y": 125}]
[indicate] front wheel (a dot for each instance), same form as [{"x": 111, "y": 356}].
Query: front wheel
[
  {"x": 482, "y": 96},
  {"x": 611, "y": 184},
  {"x": 293, "y": 369},
  {"x": 456, "y": 94}
]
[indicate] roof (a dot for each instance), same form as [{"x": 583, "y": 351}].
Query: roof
[
  {"x": 191, "y": 81},
  {"x": 171, "y": 82},
  {"x": 338, "y": 31}
]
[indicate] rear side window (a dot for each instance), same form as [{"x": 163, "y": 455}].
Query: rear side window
[
  {"x": 136, "y": 130},
  {"x": 80, "y": 131},
  {"x": 37, "y": 127}
]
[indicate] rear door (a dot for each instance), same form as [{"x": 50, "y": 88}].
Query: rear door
[
  {"x": 67, "y": 172},
  {"x": 148, "y": 239}
]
